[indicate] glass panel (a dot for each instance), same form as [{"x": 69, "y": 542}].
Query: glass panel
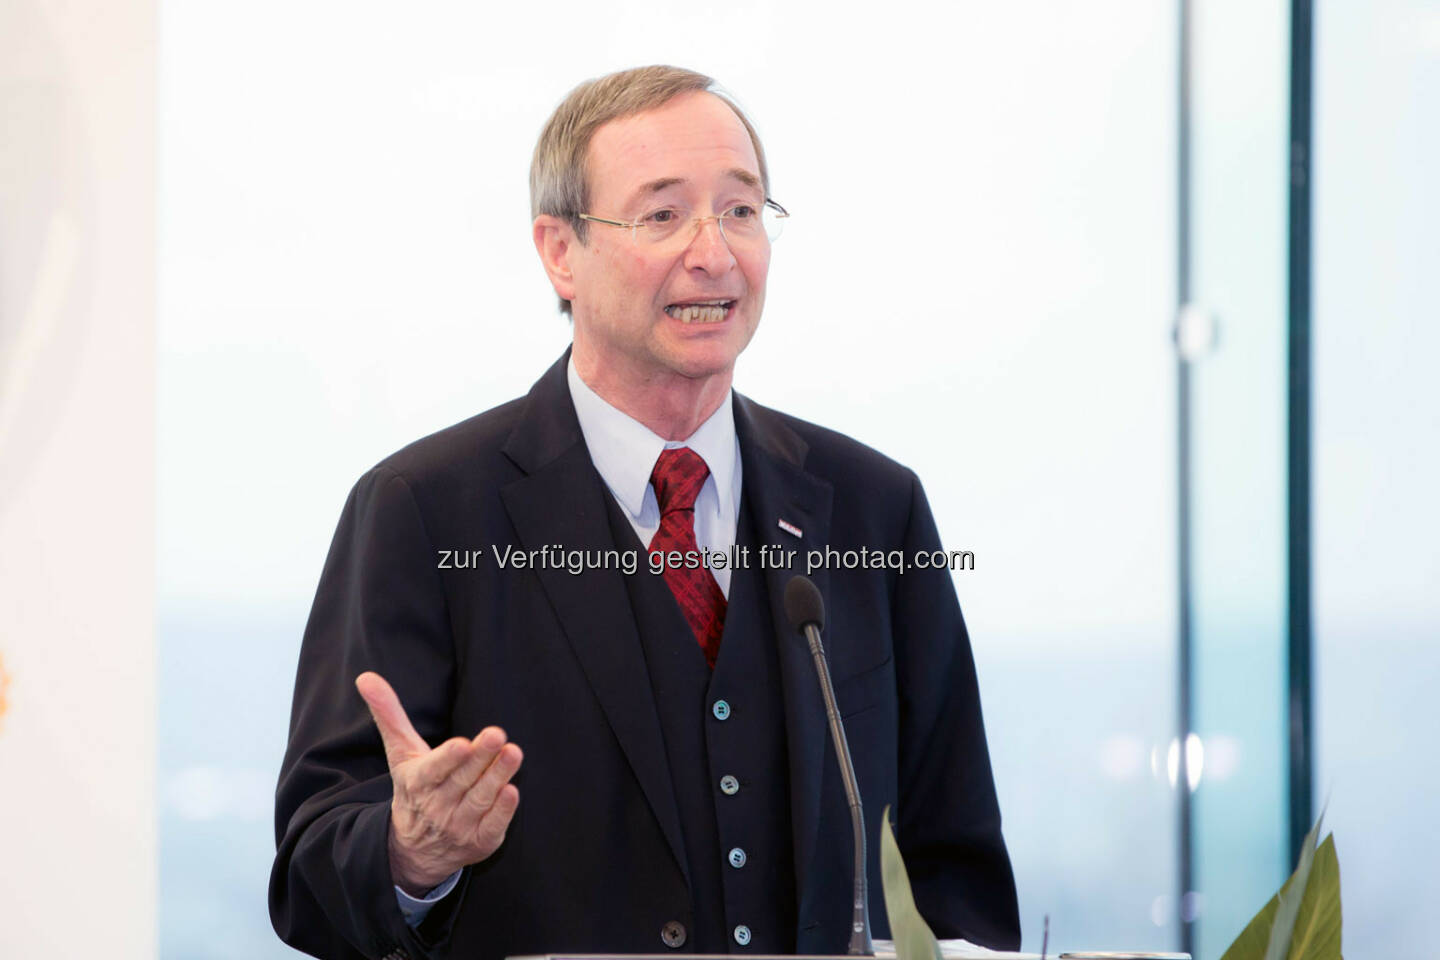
[
  {"x": 347, "y": 266},
  {"x": 1239, "y": 124},
  {"x": 1377, "y": 462}
]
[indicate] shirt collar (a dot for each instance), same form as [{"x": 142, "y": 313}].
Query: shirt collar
[{"x": 624, "y": 450}]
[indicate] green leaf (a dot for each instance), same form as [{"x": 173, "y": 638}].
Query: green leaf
[
  {"x": 1316, "y": 925},
  {"x": 1250, "y": 945},
  {"x": 913, "y": 937},
  {"x": 1278, "y": 947}
]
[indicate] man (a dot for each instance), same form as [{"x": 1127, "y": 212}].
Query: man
[{"x": 676, "y": 789}]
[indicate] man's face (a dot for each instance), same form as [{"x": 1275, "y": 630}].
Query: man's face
[{"x": 692, "y": 153}]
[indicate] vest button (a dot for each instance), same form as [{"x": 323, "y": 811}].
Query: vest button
[
  {"x": 729, "y": 785},
  {"x": 673, "y": 934},
  {"x": 737, "y": 857},
  {"x": 721, "y": 710},
  {"x": 742, "y": 935}
]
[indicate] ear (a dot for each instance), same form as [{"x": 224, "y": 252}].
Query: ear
[{"x": 555, "y": 241}]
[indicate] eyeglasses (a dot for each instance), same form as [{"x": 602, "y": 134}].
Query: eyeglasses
[{"x": 741, "y": 224}]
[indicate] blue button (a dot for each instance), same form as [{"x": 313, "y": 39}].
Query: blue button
[
  {"x": 729, "y": 785},
  {"x": 742, "y": 935},
  {"x": 737, "y": 857},
  {"x": 721, "y": 709}
]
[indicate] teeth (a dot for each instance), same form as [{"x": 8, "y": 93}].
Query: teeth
[{"x": 712, "y": 312}]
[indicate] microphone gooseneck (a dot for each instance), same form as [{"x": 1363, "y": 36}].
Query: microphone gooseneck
[{"x": 805, "y": 609}]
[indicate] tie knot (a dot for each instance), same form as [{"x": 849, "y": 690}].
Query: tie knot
[{"x": 678, "y": 476}]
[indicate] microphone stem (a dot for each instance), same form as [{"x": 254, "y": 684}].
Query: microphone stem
[{"x": 860, "y": 944}]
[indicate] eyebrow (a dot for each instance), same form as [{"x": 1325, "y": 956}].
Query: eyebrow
[{"x": 736, "y": 173}]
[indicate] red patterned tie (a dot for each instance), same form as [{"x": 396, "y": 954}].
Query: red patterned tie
[{"x": 678, "y": 476}]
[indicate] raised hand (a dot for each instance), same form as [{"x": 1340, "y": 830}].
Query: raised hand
[{"x": 452, "y": 805}]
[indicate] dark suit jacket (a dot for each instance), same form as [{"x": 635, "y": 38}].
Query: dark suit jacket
[{"x": 594, "y": 859}]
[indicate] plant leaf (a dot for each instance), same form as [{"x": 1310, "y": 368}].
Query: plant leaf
[
  {"x": 1250, "y": 944},
  {"x": 913, "y": 938},
  {"x": 1291, "y": 895},
  {"x": 1317, "y": 924}
]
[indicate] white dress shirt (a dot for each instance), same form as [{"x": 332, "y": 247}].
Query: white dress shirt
[{"x": 624, "y": 452}]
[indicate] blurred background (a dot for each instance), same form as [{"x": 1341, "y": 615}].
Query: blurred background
[{"x": 1143, "y": 291}]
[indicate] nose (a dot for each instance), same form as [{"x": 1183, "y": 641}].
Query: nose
[{"x": 708, "y": 249}]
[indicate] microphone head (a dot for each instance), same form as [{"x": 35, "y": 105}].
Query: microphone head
[{"x": 803, "y": 604}]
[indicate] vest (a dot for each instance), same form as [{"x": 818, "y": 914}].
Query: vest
[{"x": 725, "y": 743}]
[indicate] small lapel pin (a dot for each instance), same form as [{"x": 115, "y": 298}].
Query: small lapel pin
[{"x": 791, "y": 529}]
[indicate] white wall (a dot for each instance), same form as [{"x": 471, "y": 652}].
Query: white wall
[{"x": 77, "y": 514}]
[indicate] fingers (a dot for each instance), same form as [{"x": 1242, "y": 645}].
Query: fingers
[
  {"x": 490, "y": 832},
  {"x": 453, "y": 806},
  {"x": 440, "y": 780},
  {"x": 453, "y": 776},
  {"x": 396, "y": 732},
  {"x": 482, "y": 801}
]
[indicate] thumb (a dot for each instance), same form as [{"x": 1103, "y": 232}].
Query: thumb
[{"x": 401, "y": 741}]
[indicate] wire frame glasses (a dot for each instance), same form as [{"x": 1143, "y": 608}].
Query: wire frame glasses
[{"x": 741, "y": 224}]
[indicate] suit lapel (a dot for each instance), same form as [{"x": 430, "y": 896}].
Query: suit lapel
[
  {"x": 779, "y": 489},
  {"x": 561, "y": 500}
]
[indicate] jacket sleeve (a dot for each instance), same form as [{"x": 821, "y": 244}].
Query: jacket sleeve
[
  {"x": 379, "y": 606},
  {"x": 947, "y": 817}
]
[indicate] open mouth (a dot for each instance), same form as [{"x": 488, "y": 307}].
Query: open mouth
[{"x": 703, "y": 311}]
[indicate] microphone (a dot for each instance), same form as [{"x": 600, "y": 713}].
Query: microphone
[{"x": 805, "y": 609}]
